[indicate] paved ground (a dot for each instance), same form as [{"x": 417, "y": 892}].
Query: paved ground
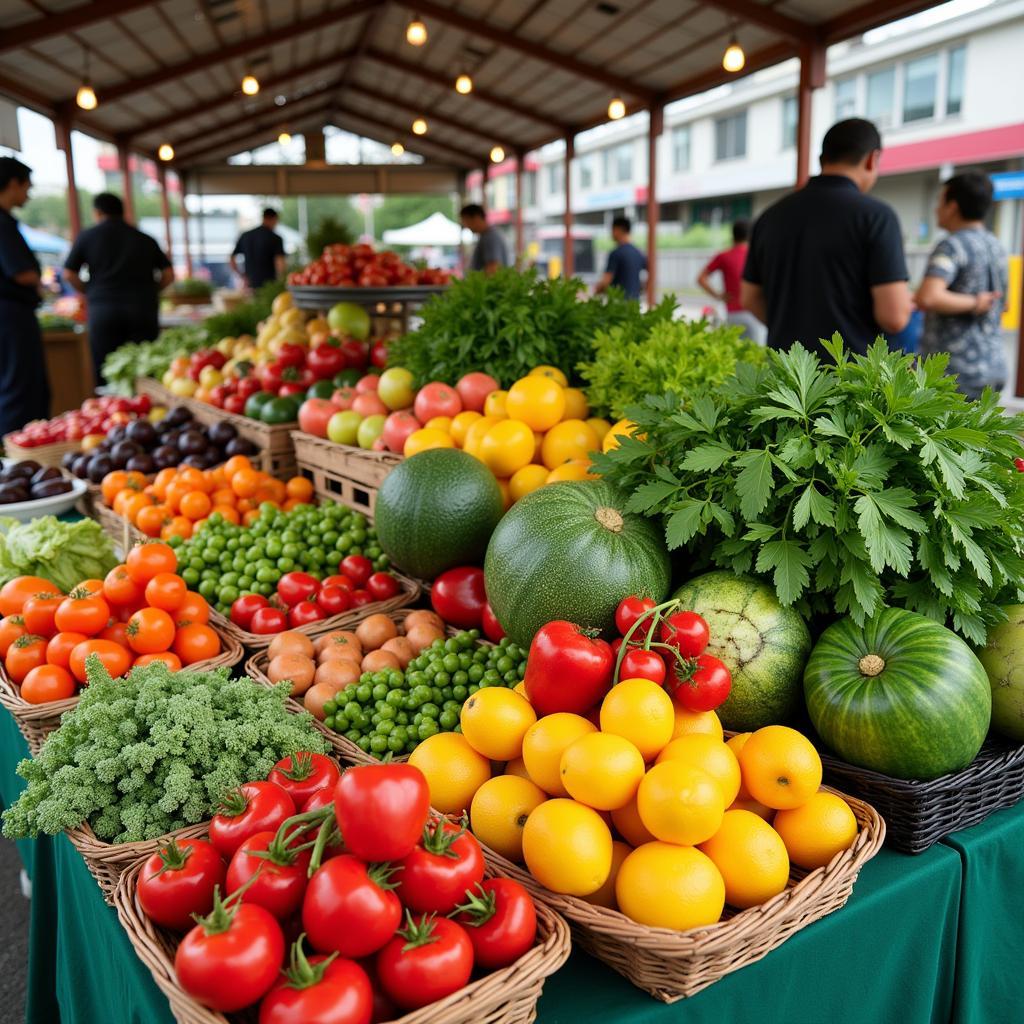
[{"x": 14, "y": 914}]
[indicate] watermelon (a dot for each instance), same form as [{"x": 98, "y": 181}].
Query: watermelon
[
  {"x": 901, "y": 695},
  {"x": 571, "y": 551},
  {"x": 1004, "y": 665},
  {"x": 763, "y": 644},
  {"x": 437, "y": 510}
]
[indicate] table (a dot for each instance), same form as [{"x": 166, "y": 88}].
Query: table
[{"x": 937, "y": 936}]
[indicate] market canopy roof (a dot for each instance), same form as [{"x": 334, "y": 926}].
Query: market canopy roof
[
  {"x": 43, "y": 241},
  {"x": 437, "y": 230},
  {"x": 169, "y": 71}
]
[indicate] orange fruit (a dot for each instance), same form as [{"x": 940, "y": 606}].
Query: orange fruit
[
  {"x": 162, "y": 481},
  {"x": 460, "y": 425},
  {"x": 752, "y": 858},
  {"x": 567, "y": 847},
  {"x": 709, "y": 755},
  {"x": 300, "y": 488},
  {"x": 576, "y": 469},
  {"x": 817, "y": 830},
  {"x": 507, "y": 447},
  {"x": 494, "y": 720},
  {"x": 499, "y": 812},
  {"x": 780, "y": 766},
  {"x": 195, "y": 505},
  {"x": 246, "y": 482},
  {"x": 568, "y": 441},
  {"x": 704, "y": 723},
  {"x": 601, "y": 770},
  {"x": 223, "y": 496},
  {"x": 175, "y": 492},
  {"x": 112, "y": 483},
  {"x": 744, "y": 801},
  {"x": 151, "y": 519},
  {"x": 178, "y": 526},
  {"x": 494, "y": 404},
  {"x": 229, "y": 513},
  {"x": 679, "y": 803},
  {"x": 624, "y": 428},
  {"x": 599, "y": 426},
  {"x": 424, "y": 439},
  {"x": 545, "y": 742},
  {"x": 537, "y": 400},
  {"x": 626, "y": 820},
  {"x": 526, "y": 480},
  {"x": 552, "y": 372},
  {"x": 136, "y": 503},
  {"x": 576, "y": 406},
  {"x": 517, "y": 766},
  {"x": 605, "y": 896},
  {"x": 194, "y": 479},
  {"x": 234, "y": 464},
  {"x": 640, "y": 711},
  {"x": 453, "y": 769}
]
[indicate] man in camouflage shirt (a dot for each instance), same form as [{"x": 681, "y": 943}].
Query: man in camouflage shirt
[{"x": 963, "y": 287}]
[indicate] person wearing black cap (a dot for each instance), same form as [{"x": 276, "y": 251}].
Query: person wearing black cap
[
  {"x": 127, "y": 272},
  {"x": 262, "y": 252},
  {"x": 24, "y": 389}
]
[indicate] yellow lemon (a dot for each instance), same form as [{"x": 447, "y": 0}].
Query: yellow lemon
[
  {"x": 817, "y": 830},
  {"x": 626, "y": 820},
  {"x": 601, "y": 770},
  {"x": 424, "y": 439},
  {"x": 544, "y": 744},
  {"x": 476, "y": 433},
  {"x": 577, "y": 469},
  {"x": 494, "y": 720},
  {"x": 599, "y": 426},
  {"x": 453, "y": 769},
  {"x": 460, "y": 426},
  {"x": 506, "y": 447},
  {"x": 709, "y": 755},
  {"x": 494, "y": 404},
  {"x": 605, "y": 896},
  {"x": 780, "y": 767},
  {"x": 679, "y": 803},
  {"x": 624, "y": 428},
  {"x": 666, "y": 886},
  {"x": 567, "y": 847},
  {"x": 526, "y": 480},
  {"x": 568, "y": 440},
  {"x": 517, "y": 767},
  {"x": 640, "y": 711},
  {"x": 442, "y": 423},
  {"x": 537, "y": 400},
  {"x": 704, "y": 723},
  {"x": 576, "y": 407},
  {"x": 550, "y": 371},
  {"x": 751, "y": 857},
  {"x": 499, "y": 812}
]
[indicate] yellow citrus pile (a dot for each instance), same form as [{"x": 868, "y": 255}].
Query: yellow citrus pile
[
  {"x": 649, "y": 810},
  {"x": 537, "y": 432}
]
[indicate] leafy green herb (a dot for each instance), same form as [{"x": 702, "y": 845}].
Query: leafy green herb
[
  {"x": 63, "y": 553},
  {"x": 150, "y": 358},
  {"x": 868, "y": 482}
]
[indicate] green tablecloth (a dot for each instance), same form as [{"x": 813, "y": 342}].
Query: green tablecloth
[{"x": 924, "y": 939}]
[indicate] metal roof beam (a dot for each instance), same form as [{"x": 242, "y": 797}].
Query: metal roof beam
[
  {"x": 65, "y": 21},
  {"x": 765, "y": 17},
  {"x": 389, "y": 129}
]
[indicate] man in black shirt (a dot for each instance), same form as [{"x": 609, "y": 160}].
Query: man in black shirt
[
  {"x": 24, "y": 389},
  {"x": 829, "y": 258},
  {"x": 262, "y": 252},
  {"x": 127, "y": 272}
]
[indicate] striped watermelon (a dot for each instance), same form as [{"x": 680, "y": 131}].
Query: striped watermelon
[{"x": 901, "y": 695}]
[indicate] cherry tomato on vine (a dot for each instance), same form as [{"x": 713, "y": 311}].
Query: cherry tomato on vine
[
  {"x": 686, "y": 631},
  {"x": 178, "y": 881},
  {"x": 445, "y": 863},
  {"x": 640, "y": 664},
  {"x": 629, "y": 610},
  {"x": 501, "y": 921},
  {"x": 253, "y": 807},
  {"x": 706, "y": 687}
]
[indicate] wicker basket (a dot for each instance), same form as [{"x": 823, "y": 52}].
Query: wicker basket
[
  {"x": 275, "y": 453},
  {"x": 156, "y": 392},
  {"x": 919, "y": 814},
  {"x": 507, "y": 996},
  {"x": 45, "y": 454},
  {"x": 116, "y": 527},
  {"x": 342, "y": 473},
  {"x": 37, "y": 721},
  {"x": 672, "y": 965}
]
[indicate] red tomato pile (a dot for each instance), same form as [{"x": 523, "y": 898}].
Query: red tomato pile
[
  {"x": 94, "y": 419},
  {"x": 141, "y": 612},
  {"x": 398, "y": 915},
  {"x": 459, "y": 597},
  {"x": 360, "y": 266}
]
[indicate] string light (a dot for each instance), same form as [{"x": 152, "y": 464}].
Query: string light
[
  {"x": 416, "y": 32},
  {"x": 284, "y": 138},
  {"x": 616, "y": 109},
  {"x": 464, "y": 84},
  {"x": 497, "y": 155},
  {"x": 250, "y": 84},
  {"x": 165, "y": 152},
  {"x": 397, "y": 149},
  {"x": 86, "y": 95},
  {"x": 419, "y": 126},
  {"x": 734, "y": 58}
]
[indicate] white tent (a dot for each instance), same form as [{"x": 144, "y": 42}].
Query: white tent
[{"x": 436, "y": 230}]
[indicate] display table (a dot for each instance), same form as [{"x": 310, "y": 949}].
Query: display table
[
  {"x": 923, "y": 939},
  {"x": 69, "y": 368}
]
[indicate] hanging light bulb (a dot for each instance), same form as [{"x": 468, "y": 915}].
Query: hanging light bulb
[
  {"x": 416, "y": 32},
  {"x": 616, "y": 109},
  {"x": 464, "y": 84},
  {"x": 397, "y": 149},
  {"x": 86, "y": 95},
  {"x": 497, "y": 155},
  {"x": 734, "y": 58},
  {"x": 419, "y": 126},
  {"x": 165, "y": 152},
  {"x": 284, "y": 138},
  {"x": 250, "y": 84}
]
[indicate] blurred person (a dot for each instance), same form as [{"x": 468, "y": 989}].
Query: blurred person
[
  {"x": 625, "y": 262},
  {"x": 491, "y": 252},
  {"x": 828, "y": 257},
  {"x": 24, "y": 388},
  {"x": 729, "y": 263},
  {"x": 262, "y": 252},
  {"x": 127, "y": 272},
  {"x": 963, "y": 287}
]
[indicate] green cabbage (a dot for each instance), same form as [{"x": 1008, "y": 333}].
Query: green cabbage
[{"x": 61, "y": 552}]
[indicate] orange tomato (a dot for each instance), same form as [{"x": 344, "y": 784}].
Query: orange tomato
[
  {"x": 120, "y": 589},
  {"x": 152, "y": 519},
  {"x": 150, "y": 630},
  {"x": 246, "y": 482},
  {"x": 199, "y": 524},
  {"x": 300, "y": 488},
  {"x": 82, "y": 612},
  {"x": 10, "y": 629},
  {"x": 175, "y": 492},
  {"x": 251, "y": 516},
  {"x": 58, "y": 650},
  {"x": 116, "y": 631},
  {"x": 163, "y": 480},
  {"x": 136, "y": 503},
  {"x": 234, "y": 464},
  {"x": 193, "y": 609},
  {"x": 145, "y": 560},
  {"x": 14, "y": 593},
  {"x": 278, "y": 490},
  {"x": 47, "y": 682},
  {"x": 194, "y": 479},
  {"x": 91, "y": 587},
  {"x": 217, "y": 477},
  {"x": 223, "y": 496},
  {"x": 169, "y": 658},
  {"x": 179, "y": 526},
  {"x": 227, "y": 512},
  {"x": 112, "y": 483},
  {"x": 115, "y": 659},
  {"x": 119, "y": 499},
  {"x": 196, "y": 643},
  {"x": 166, "y": 590},
  {"x": 196, "y": 505},
  {"x": 23, "y": 655},
  {"x": 38, "y": 612},
  {"x": 136, "y": 481}
]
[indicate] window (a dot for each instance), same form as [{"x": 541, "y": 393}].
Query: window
[
  {"x": 587, "y": 171},
  {"x": 846, "y": 98},
  {"x": 881, "y": 104},
  {"x": 731, "y": 136},
  {"x": 681, "y": 148},
  {"x": 790, "y": 116},
  {"x": 920, "y": 84},
  {"x": 555, "y": 179},
  {"x": 617, "y": 163},
  {"x": 955, "y": 61},
  {"x": 529, "y": 188}
]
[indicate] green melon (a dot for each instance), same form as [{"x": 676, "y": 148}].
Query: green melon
[
  {"x": 763, "y": 644},
  {"x": 571, "y": 551},
  {"x": 1002, "y": 659},
  {"x": 437, "y": 510},
  {"x": 901, "y": 695}
]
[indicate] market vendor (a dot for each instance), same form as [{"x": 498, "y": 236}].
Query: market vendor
[
  {"x": 127, "y": 272},
  {"x": 24, "y": 389},
  {"x": 491, "y": 253}
]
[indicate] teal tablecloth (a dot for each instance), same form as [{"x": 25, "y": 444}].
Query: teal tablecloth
[{"x": 924, "y": 939}]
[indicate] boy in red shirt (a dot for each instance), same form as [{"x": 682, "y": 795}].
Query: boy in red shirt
[{"x": 730, "y": 265}]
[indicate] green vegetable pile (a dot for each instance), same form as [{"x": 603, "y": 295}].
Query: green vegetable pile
[
  {"x": 658, "y": 354},
  {"x": 850, "y": 486},
  {"x": 150, "y": 358},
  {"x": 395, "y": 711},
  {"x": 507, "y": 323},
  {"x": 63, "y": 553},
  {"x": 142, "y": 756},
  {"x": 192, "y": 288}
]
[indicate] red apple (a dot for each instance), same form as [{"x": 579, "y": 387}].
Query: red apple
[
  {"x": 436, "y": 399},
  {"x": 397, "y": 427},
  {"x": 474, "y": 388},
  {"x": 368, "y": 404},
  {"x": 314, "y": 414},
  {"x": 368, "y": 383},
  {"x": 343, "y": 398}
]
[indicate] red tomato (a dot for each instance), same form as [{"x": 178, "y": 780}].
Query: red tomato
[
  {"x": 295, "y": 587},
  {"x": 12, "y": 627},
  {"x": 338, "y": 580},
  {"x": 361, "y": 598},
  {"x": 382, "y": 586},
  {"x": 323, "y": 798},
  {"x": 277, "y": 873},
  {"x": 458, "y": 596},
  {"x": 474, "y": 388},
  {"x": 687, "y": 632},
  {"x": 321, "y": 990},
  {"x": 304, "y": 613},
  {"x": 491, "y": 626},
  {"x": 302, "y": 775},
  {"x": 640, "y": 664},
  {"x": 232, "y": 958},
  {"x": 334, "y": 600},
  {"x": 381, "y": 810},
  {"x": 567, "y": 670},
  {"x": 38, "y": 613},
  {"x": 357, "y": 568},
  {"x": 253, "y": 807},
  {"x": 445, "y": 864},
  {"x": 501, "y": 921},
  {"x": 178, "y": 881},
  {"x": 704, "y": 688},
  {"x": 314, "y": 414},
  {"x": 350, "y": 907},
  {"x": 630, "y": 609},
  {"x": 268, "y": 620},
  {"x": 427, "y": 960},
  {"x": 235, "y": 404},
  {"x": 436, "y": 399}
]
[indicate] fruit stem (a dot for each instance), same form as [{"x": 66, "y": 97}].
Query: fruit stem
[
  {"x": 654, "y": 614},
  {"x": 609, "y": 518},
  {"x": 173, "y": 857},
  {"x": 871, "y": 665}
]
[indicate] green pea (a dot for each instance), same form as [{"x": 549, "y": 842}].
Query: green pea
[
  {"x": 396, "y": 698},
  {"x": 208, "y": 588},
  {"x": 228, "y": 595},
  {"x": 378, "y": 744},
  {"x": 448, "y": 720},
  {"x": 430, "y": 710},
  {"x": 426, "y": 729},
  {"x": 191, "y": 577},
  {"x": 364, "y": 693},
  {"x": 380, "y": 691},
  {"x": 397, "y": 746},
  {"x": 459, "y": 692}
]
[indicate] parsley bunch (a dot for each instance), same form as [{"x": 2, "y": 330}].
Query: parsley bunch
[{"x": 850, "y": 486}]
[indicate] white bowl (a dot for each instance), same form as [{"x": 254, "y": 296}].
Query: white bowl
[{"x": 56, "y": 505}]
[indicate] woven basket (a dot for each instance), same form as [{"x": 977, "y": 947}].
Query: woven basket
[
  {"x": 37, "y": 721},
  {"x": 116, "y": 527},
  {"x": 340, "y": 472},
  {"x": 275, "y": 452},
  {"x": 45, "y": 454},
  {"x": 672, "y": 965},
  {"x": 157, "y": 393},
  {"x": 507, "y": 996},
  {"x": 919, "y": 814}
]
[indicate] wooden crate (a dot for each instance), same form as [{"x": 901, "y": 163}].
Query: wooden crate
[
  {"x": 158, "y": 394},
  {"x": 342, "y": 473},
  {"x": 276, "y": 453},
  {"x": 44, "y": 454}
]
